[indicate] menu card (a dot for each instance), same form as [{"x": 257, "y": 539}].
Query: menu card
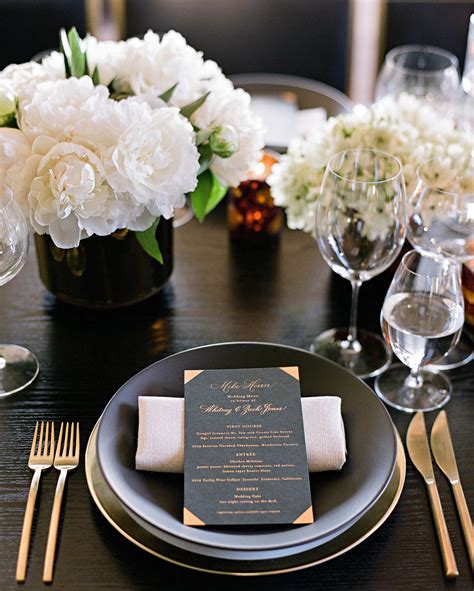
[{"x": 245, "y": 455}]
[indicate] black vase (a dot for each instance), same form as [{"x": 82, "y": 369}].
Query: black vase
[{"x": 105, "y": 271}]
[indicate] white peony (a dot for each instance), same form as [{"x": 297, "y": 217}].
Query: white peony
[
  {"x": 14, "y": 147},
  {"x": 232, "y": 108},
  {"x": 23, "y": 79},
  {"x": 83, "y": 163},
  {"x": 154, "y": 158},
  {"x": 62, "y": 108},
  {"x": 67, "y": 193}
]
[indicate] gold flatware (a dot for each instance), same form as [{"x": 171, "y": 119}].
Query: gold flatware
[
  {"x": 443, "y": 452},
  {"x": 66, "y": 458},
  {"x": 417, "y": 444},
  {"x": 41, "y": 458}
]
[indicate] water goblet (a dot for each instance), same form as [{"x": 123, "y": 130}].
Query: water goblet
[
  {"x": 441, "y": 222},
  {"x": 422, "y": 318},
  {"x": 429, "y": 73},
  {"x": 360, "y": 229},
  {"x": 18, "y": 366}
]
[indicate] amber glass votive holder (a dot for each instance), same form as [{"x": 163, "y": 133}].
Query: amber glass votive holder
[{"x": 252, "y": 215}]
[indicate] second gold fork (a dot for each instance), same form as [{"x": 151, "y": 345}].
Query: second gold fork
[{"x": 66, "y": 458}]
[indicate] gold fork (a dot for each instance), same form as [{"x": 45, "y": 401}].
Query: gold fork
[
  {"x": 65, "y": 459},
  {"x": 41, "y": 458}
]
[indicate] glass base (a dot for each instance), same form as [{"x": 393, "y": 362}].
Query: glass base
[
  {"x": 365, "y": 358},
  {"x": 433, "y": 393},
  {"x": 460, "y": 355},
  {"x": 18, "y": 368}
]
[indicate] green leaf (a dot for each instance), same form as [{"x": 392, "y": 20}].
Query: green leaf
[
  {"x": 78, "y": 55},
  {"x": 202, "y": 135},
  {"x": 148, "y": 242},
  {"x": 65, "y": 50},
  {"x": 207, "y": 195},
  {"x": 205, "y": 157},
  {"x": 95, "y": 76},
  {"x": 166, "y": 96},
  {"x": 188, "y": 110},
  {"x": 111, "y": 85}
]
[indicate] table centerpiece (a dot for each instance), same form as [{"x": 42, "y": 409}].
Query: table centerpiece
[
  {"x": 404, "y": 127},
  {"x": 100, "y": 143}
]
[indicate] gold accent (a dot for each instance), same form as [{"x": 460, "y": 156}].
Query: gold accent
[
  {"x": 294, "y": 372},
  {"x": 418, "y": 450},
  {"x": 443, "y": 452},
  {"x": 351, "y": 538},
  {"x": 76, "y": 260},
  {"x": 191, "y": 519},
  {"x": 190, "y": 374},
  {"x": 305, "y": 517}
]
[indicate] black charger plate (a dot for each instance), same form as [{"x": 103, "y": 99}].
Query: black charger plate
[{"x": 339, "y": 498}]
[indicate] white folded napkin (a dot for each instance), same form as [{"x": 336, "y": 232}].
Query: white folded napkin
[{"x": 161, "y": 433}]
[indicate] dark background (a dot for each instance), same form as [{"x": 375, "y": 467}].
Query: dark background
[{"x": 301, "y": 37}]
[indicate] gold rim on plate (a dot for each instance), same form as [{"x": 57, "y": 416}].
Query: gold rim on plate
[{"x": 116, "y": 515}]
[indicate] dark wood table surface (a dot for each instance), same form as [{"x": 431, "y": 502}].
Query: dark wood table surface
[{"x": 218, "y": 292}]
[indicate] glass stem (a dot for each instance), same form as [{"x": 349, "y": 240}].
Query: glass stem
[
  {"x": 352, "y": 336},
  {"x": 414, "y": 380}
]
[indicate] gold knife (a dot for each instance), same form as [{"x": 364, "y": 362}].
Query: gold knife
[
  {"x": 417, "y": 444},
  {"x": 442, "y": 448}
]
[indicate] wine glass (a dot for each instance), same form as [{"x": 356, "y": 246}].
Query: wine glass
[
  {"x": 441, "y": 222},
  {"x": 427, "y": 72},
  {"x": 421, "y": 319},
  {"x": 360, "y": 229},
  {"x": 18, "y": 366},
  {"x": 465, "y": 105}
]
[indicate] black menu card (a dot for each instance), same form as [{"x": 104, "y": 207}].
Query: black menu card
[{"x": 245, "y": 456}]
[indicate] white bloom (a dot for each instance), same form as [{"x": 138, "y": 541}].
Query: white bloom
[
  {"x": 14, "y": 147},
  {"x": 23, "y": 79},
  {"x": 155, "y": 158},
  {"x": 149, "y": 66},
  {"x": 67, "y": 193},
  {"x": 232, "y": 108},
  {"x": 84, "y": 164},
  {"x": 404, "y": 127},
  {"x": 62, "y": 108}
]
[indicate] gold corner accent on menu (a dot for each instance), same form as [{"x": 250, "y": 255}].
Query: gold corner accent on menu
[
  {"x": 190, "y": 374},
  {"x": 294, "y": 372},
  {"x": 305, "y": 517},
  {"x": 191, "y": 519}
]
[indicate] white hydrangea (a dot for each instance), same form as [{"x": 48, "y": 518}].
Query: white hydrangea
[{"x": 403, "y": 127}]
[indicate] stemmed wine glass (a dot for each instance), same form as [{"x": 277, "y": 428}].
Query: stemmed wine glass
[
  {"x": 426, "y": 72},
  {"x": 18, "y": 366},
  {"x": 421, "y": 319},
  {"x": 441, "y": 222},
  {"x": 360, "y": 229}
]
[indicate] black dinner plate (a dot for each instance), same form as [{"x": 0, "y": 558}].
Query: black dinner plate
[{"x": 339, "y": 497}]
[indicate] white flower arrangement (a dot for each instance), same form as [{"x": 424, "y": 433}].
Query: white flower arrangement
[
  {"x": 110, "y": 135},
  {"x": 403, "y": 127}
]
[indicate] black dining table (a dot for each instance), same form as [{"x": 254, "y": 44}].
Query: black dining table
[{"x": 220, "y": 291}]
